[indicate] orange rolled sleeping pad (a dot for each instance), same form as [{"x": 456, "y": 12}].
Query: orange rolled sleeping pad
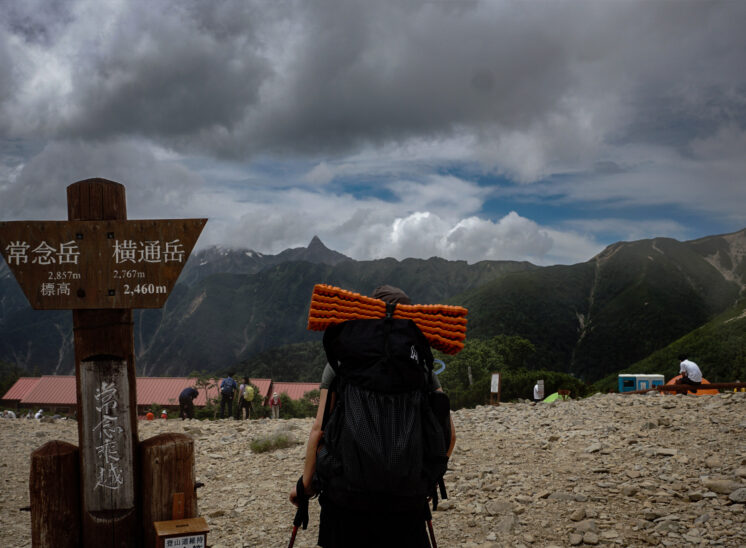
[{"x": 444, "y": 326}]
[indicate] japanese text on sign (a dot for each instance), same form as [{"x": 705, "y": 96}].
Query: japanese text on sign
[
  {"x": 124, "y": 251},
  {"x": 193, "y": 541},
  {"x": 43, "y": 254},
  {"x": 106, "y": 433}
]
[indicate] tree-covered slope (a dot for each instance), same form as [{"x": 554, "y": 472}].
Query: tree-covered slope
[
  {"x": 718, "y": 347},
  {"x": 593, "y": 318}
]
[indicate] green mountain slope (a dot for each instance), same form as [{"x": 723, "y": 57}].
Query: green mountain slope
[
  {"x": 718, "y": 347},
  {"x": 597, "y": 317}
]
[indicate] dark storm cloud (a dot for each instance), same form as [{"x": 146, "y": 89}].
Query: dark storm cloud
[
  {"x": 170, "y": 70},
  {"x": 275, "y": 105},
  {"x": 238, "y": 77}
]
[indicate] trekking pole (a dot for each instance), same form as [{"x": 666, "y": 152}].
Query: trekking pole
[
  {"x": 433, "y": 544},
  {"x": 429, "y": 520},
  {"x": 301, "y": 515},
  {"x": 292, "y": 537}
]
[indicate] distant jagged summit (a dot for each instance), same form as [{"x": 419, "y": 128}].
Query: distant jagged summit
[
  {"x": 316, "y": 252},
  {"x": 222, "y": 260}
]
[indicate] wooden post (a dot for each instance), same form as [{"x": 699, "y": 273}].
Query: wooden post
[
  {"x": 55, "y": 496},
  {"x": 167, "y": 462},
  {"x": 107, "y": 403},
  {"x": 101, "y": 266}
]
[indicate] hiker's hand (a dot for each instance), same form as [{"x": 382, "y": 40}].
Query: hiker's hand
[
  {"x": 294, "y": 496},
  {"x": 309, "y": 492}
]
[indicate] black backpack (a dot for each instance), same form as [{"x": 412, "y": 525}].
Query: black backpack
[{"x": 385, "y": 441}]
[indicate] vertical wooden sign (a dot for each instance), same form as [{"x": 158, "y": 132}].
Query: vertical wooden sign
[{"x": 109, "y": 476}]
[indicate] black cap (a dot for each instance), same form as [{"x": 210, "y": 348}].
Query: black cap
[{"x": 390, "y": 294}]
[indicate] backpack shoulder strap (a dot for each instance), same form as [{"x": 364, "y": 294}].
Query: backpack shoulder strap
[{"x": 333, "y": 390}]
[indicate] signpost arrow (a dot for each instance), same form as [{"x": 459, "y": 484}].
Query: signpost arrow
[{"x": 66, "y": 265}]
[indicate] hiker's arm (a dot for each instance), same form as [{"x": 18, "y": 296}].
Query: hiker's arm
[
  {"x": 453, "y": 432},
  {"x": 311, "y": 448}
]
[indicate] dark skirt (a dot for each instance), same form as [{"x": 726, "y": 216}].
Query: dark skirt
[{"x": 345, "y": 528}]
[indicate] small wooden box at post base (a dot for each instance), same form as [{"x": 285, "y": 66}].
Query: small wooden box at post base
[{"x": 181, "y": 533}]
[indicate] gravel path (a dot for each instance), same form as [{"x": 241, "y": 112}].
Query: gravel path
[{"x": 610, "y": 470}]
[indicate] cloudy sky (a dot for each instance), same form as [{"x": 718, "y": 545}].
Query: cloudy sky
[{"x": 529, "y": 130}]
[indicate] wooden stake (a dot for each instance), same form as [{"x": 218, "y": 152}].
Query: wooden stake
[
  {"x": 167, "y": 468},
  {"x": 55, "y": 496}
]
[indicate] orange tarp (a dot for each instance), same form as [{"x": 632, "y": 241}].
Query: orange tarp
[
  {"x": 444, "y": 326},
  {"x": 700, "y": 392}
]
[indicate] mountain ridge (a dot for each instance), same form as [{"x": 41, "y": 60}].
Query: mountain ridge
[{"x": 588, "y": 319}]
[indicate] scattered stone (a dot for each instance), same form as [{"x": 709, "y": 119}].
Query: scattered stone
[
  {"x": 586, "y": 526},
  {"x": 560, "y": 495},
  {"x": 495, "y": 508},
  {"x": 721, "y": 486},
  {"x": 590, "y": 538},
  {"x": 739, "y": 495},
  {"x": 594, "y": 448},
  {"x": 602, "y": 481}
]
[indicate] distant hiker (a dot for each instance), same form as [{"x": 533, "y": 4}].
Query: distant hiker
[
  {"x": 245, "y": 399},
  {"x": 690, "y": 372},
  {"x": 537, "y": 393},
  {"x": 39, "y": 414},
  {"x": 164, "y": 414},
  {"x": 382, "y": 436},
  {"x": 228, "y": 387},
  {"x": 186, "y": 402},
  {"x": 274, "y": 404}
]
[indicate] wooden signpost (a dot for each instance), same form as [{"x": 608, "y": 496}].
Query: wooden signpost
[{"x": 101, "y": 266}]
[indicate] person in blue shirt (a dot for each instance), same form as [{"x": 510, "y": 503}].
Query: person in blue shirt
[
  {"x": 228, "y": 388},
  {"x": 186, "y": 402}
]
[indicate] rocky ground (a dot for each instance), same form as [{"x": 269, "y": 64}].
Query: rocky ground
[{"x": 610, "y": 470}]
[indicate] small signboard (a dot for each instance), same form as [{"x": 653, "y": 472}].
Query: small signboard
[
  {"x": 181, "y": 533},
  {"x": 495, "y": 389},
  {"x": 495, "y": 385},
  {"x": 64, "y": 265}
]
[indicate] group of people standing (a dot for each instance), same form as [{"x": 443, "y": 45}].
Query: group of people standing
[{"x": 228, "y": 390}]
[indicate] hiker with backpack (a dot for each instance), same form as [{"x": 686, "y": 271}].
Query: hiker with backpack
[
  {"x": 228, "y": 387},
  {"x": 382, "y": 437},
  {"x": 186, "y": 402},
  {"x": 245, "y": 397}
]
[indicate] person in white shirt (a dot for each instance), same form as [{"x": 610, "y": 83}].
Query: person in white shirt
[
  {"x": 690, "y": 372},
  {"x": 537, "y": 396}
]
